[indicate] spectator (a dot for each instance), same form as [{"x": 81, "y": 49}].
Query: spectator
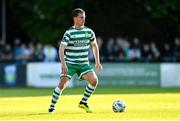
[
  {"x": 155, "y": 52},
  {"x": 7, "y": 53},
  {"x": 120, "y": 50},
  {"x": 38, "y": 54},
  {"x": 136, "y": 43},
  {"x": 31, "y": 51},
  {"x": 17, "y": 49},
  {"x": 146, "y": 53},
  {"x": 110, "y": 50},
  {"x": 134, "y": 53},
  {"x": 167, "y": 54},
  {"x": 25, "y": 52},
  {"x": 50, "y": 53}
]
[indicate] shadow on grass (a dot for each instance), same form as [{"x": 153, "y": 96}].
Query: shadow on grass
[
  {"x": 55, "y": 113},
  {"x": 27, "y": 92},
  {"x": 34, "y": 114},
  {"x": 23, "y": 115}
]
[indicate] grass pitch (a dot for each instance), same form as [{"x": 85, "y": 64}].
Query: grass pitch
[{"x": 143, "y": 104}]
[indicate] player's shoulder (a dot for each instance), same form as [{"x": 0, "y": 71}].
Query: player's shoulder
[
  {"x": 88, "y": 29},
  {"x": 70, "y": 29},
  {"x": 85, "y": 27}
]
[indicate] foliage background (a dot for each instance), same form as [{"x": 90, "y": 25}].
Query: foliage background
[{"x": 47, "y": 20}]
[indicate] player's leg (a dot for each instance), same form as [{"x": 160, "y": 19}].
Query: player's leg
[
  {"x": 92, "y": 80},
  {"x": 62, "y": 85},
  {"x": 57, "y": 92}
]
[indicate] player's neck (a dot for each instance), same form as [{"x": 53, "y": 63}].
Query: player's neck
[{"x": 78, "y": 27}]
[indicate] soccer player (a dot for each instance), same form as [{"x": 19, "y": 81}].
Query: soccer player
[{"x": 73, "y": 53}]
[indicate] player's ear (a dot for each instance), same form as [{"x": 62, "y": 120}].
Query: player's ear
[{"x": 74, "y": 18}]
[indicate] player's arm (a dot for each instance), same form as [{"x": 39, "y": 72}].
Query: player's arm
[
  {"x": 61, "y": 56},
  {"x": 61, "y": 53},
  {"x": 62, "y": 47},
  {"x": 96, "y": 55}
]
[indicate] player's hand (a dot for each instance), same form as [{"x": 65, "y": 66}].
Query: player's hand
[
  {"x": 98, "y": 67},
  {"x": 64, "y": 69}
]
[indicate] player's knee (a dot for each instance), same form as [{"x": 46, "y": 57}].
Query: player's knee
[
  {"x": 95, "y": 82},
  {"x": 63, "y": 83}
]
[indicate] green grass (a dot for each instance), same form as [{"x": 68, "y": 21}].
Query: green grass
[{"x": 143, "y": 103}]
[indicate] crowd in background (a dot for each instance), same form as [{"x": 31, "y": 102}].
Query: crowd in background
[
  {"x": 111, "y": 50},
  {"x": 123, "y": 50}
]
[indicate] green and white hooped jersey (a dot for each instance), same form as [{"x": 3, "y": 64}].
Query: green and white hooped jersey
[{"x": 78, "y": 42}]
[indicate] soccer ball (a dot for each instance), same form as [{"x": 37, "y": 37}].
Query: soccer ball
[{"x": 119, "y": 106}]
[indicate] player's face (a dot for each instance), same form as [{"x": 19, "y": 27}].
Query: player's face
[{"x": 80, "y": 19}]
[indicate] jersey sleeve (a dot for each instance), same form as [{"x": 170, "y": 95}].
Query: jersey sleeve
[
  {"x": 93, "y": 37},
  {"x": 66, "y": 38}
]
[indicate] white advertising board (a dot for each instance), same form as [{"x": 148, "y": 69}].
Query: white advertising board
[
  {"x": 44, "y": 75},
  {"x": 170, "y": 75}
]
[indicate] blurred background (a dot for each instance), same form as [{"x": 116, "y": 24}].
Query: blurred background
[{"x": 139, "y": 41}]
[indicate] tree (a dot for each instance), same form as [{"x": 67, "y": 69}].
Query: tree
[
  {"x": 167, "y": 12},
  {"x": 44, "y": 20}
]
